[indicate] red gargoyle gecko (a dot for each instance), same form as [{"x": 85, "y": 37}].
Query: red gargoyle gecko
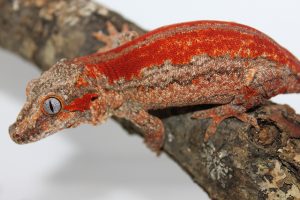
[{"x": 226, "y": 64}]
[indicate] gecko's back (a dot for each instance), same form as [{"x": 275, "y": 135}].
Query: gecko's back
[{"x": 179, "y": 43}]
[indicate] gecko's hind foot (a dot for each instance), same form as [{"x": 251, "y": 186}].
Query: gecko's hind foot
[
  {"x": 220, "y": 113},
  {"x": 212, "y": 128},
  {"x": 114, "y": 38}
]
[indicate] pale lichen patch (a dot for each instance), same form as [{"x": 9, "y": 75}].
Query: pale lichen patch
[
  {"x": 37, "y": 3},
  {"x": 274, "y": 180},
  {"x": 47, "y": 54},
  {"x": 48, "y": 12},
  {"x": 88, "y": 9},
  {"x": 170, "y": 137},
  {"x": 68, "y": 14},
  {"x": 103, "y": 11},
  {"x": 216, "y": 164},
  {"x": 16, "y": 5},
  {"x": 297, "y": 158},
  {"x": 28, "y": 48},
  {"x": 291, "y": 151}
]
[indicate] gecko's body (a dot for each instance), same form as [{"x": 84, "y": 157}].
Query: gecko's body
[{"x": 204, "y": 62}]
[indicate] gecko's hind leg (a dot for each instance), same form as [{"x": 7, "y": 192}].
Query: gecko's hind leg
[
  {"x": 114, "y": 38},
  {"x": 218, "y": 114}
]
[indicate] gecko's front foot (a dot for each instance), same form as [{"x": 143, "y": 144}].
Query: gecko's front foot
[
  {"x": 155, "y": 139},
  {"x": 151, "y": 126}
]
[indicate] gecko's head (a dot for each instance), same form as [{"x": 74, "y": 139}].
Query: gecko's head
[{"x": 61, "y": 98}]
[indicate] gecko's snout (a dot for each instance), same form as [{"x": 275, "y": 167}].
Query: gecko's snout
[
  {"x": 13, "y": 135},
  {"x": 21, "y": 137}
]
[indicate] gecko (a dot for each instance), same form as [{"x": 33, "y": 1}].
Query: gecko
[{"x": 231, "y": 66}]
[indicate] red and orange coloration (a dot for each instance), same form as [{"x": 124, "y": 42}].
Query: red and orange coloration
[{"x": 205, "y": 62}]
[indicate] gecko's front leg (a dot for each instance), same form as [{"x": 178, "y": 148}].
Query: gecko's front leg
[{"x": 151, "y": 126}]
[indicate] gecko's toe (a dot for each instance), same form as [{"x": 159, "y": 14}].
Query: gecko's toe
[
  {"x": 244, "y": 117},
  {"x": 211, "y": 130},
  {"x": 154, "y": 142}
]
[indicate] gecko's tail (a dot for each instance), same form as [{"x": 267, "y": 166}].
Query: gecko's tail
[
  {"x": 297, "y": 86},
  {"x": 297, "y": 72},
  {"x": 293, "y": 84}
]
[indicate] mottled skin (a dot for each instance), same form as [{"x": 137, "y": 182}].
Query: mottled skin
[{"x": 205, "y": 62}]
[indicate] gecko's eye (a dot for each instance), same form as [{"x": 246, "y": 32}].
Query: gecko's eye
[{"x": 52, "y": 106}]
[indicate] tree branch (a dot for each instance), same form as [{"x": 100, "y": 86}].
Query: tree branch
[{"x": 237, "y": 163}]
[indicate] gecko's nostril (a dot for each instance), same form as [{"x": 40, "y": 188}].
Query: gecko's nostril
[
  {"x": 94, "y": 98},
  {"x": 11, "y": 129}
]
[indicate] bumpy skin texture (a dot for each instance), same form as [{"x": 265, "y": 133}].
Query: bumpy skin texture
[{"x": 229, "y": 65}]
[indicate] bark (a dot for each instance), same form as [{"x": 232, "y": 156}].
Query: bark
[{"x": 237, "y": 163}]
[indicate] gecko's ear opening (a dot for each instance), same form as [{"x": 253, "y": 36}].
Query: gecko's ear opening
[{"x": 94, "y": 98}]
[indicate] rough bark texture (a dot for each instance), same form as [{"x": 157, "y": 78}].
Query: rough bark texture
[{"x": 237, "y": 163}]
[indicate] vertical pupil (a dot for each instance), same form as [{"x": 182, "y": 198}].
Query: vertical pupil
[{"x": 51, "y": 106}]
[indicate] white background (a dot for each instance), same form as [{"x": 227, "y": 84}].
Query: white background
[{"x": 104, "y": 162}]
